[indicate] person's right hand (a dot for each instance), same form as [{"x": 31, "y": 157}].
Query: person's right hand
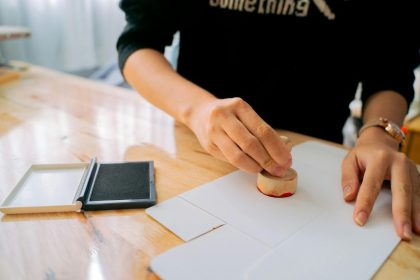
[{"x": 231, "y": 130}]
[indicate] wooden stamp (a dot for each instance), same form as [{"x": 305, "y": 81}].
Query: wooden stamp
[{"x": 284, "y": 186}]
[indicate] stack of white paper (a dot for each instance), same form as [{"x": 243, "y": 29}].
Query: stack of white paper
[{"x": 235, "y": 232}]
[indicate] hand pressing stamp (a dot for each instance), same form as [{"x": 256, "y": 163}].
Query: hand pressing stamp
[{"x": 273, "y": 186}]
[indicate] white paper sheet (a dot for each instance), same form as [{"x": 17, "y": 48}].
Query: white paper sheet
[
  {"x": 183, "y": 219},
  {"x": 332, "y": 247},
  {"x": 311, "y": 234},
  {"x": 223, "y": 253},
  {"x": 236, "y": 200}
]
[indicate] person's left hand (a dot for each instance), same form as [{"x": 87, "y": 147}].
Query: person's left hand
[{"x": 374, "y": 159}]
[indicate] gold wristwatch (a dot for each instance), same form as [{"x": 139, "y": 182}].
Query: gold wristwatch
[{"x": 390, "y": 127}]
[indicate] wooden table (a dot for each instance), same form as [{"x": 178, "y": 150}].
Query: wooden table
[{"x": 48, "y": 117}]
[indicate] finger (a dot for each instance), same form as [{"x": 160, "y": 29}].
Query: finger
[
  {"x": 368, "y": 192},
  {"x": 401, "y": 197},
  {"x": 268, "y": 137},
  {"x": 215, "y": 151},
  {"x": 235, "y": 155},
  {"x": 415, "y": 179},
  {"x": 350, "y": 177},
  {"x": 251, "y": 146}
]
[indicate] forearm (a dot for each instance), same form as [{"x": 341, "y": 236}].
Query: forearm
[
  {"x": 148, "y": 72},
  {"x": 229, "y": 128},
  {"x": 386, "y": 104}
]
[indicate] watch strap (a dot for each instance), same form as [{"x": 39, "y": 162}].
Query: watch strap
[{"x": 389, "y": 127}]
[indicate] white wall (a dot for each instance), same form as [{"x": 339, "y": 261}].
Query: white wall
[{"x": 67, "y": 35}]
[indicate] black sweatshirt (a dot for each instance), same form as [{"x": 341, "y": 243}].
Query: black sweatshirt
[{"x": 297, "y": 62}]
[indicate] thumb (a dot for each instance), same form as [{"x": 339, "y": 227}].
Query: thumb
[{"x": 350, "y": 177}]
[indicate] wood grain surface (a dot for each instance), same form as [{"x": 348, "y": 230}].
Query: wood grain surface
[{"x": 49, "y": 117}]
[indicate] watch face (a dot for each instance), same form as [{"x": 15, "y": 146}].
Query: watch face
[{"x": 395, "y": 131}]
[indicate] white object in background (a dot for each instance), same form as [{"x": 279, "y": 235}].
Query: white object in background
[
  {"x": 356, "y": 105},
  {"x": 172, "y": 51},
  {"x": 353, "y": 122},
  {"x": 415, "y": 104},
  {"x": 308, "y": 234}
]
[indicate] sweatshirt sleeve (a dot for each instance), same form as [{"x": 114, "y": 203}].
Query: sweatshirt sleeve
[
  {"x": 389, "y": 47},
  {"x": 150, "y": 24}
]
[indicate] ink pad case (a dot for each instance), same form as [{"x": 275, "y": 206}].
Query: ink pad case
[{"x": 82, "y": 186}]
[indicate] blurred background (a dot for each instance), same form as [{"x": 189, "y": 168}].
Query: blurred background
[{"x": 79, "y": 37}]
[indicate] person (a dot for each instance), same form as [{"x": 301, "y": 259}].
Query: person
[{"x": 248, "y": 66}]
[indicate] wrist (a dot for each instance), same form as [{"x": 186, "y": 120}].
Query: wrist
[
  {"x": 387, "y": 127},
  {"x": 375, "y": 135},
  {"x": 190, "y": 112}
]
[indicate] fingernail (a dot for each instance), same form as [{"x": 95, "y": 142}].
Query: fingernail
[
  {"x": 278, "y": 171},
  {"x": 407, "y": 232},
  {"x": 347, "y": 191},
  {"x": 361, "y": 218},
  {"x": 285, "y": 139}
]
